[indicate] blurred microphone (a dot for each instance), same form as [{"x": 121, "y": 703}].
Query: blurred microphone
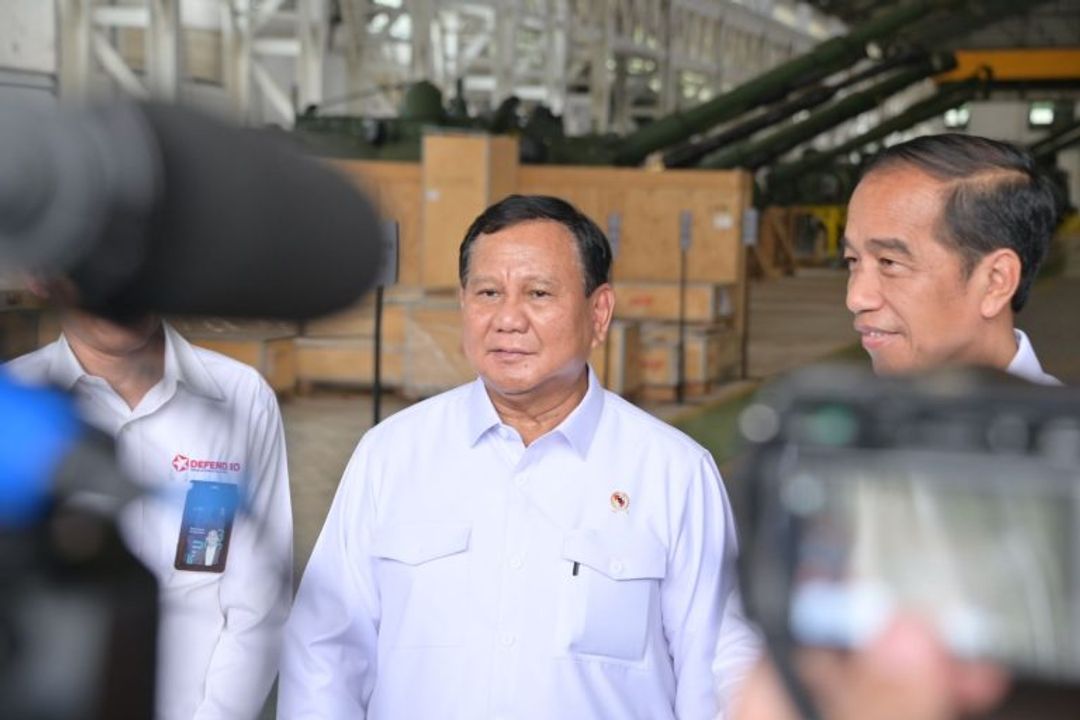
[{"x": 152, "y": 208}]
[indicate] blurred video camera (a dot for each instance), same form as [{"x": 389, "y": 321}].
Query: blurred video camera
[{"x": 955, "y": 496}]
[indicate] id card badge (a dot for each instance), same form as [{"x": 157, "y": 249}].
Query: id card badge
[{"x": 203, "y": 545}]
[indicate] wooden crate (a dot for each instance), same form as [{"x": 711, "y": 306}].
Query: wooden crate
[
  {"x": 18, "y": 333},
  {"x": 359, "y": 322},
  {"x": 273, "y": 356},
  {"x": 649, "y": 205},
  {"x": 462, "y": 175},
  {"x": 711, "y": 353},
  {"x": 617, "y": 361},
  {"x": 346, "y": 362},
  {"x": 434, "y": 356},
  {"x": 396, "y": 188},
  {"x": 705, "y": 302}
]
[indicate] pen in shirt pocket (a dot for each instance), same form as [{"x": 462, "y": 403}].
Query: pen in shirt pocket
[{"x": 574, "y": 570}]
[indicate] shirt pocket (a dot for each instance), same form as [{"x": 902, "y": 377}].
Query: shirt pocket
[
  {"x": 423, "y": 576},
  {"x": 608, "y": 607}
]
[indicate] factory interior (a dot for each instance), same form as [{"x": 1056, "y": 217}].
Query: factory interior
[{"x": 715, "y": 142}]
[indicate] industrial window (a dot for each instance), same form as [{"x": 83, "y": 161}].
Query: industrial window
[
  {"x": 1041, "y": 114},
  {"x": 958, "y": 118}
]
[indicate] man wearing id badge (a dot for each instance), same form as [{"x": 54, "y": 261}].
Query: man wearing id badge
[
  {"x": 202, "y": 433},
  {"x": 528, "y": 545}
]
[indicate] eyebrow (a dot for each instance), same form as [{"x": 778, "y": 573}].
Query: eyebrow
[
  {"x": 537, "y": 279},
  {"x": 895, "y": 245}
]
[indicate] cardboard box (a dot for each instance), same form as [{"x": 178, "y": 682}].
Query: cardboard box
[{"x": 704, "y": 303}]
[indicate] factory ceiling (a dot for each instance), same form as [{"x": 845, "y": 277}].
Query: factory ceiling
[{"x": 1055, "y": 23}]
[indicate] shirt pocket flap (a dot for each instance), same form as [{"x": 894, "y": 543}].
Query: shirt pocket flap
[
  {"x": 416, "y": 543},
  {"x": 618, "y": 555}
]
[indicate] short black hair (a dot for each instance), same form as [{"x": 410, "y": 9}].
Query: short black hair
[
  {"x": 594, "y": 251},
  {"x": 996, "y": 197}
]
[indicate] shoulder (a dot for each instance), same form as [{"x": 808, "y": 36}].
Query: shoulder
[
  {"x": 639, "y": 428},
  {"x": 239, "y": 383},
  {"x": 435, "y": 414},
  {"x": 33, "y": 367}
]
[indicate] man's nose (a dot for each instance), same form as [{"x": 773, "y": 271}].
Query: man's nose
[
  {"x": 511, "y": 316},
  {"x": 863, "y": 291}
]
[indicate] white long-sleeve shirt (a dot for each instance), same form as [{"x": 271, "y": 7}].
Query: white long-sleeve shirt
[
  {"x": 462, "y": 575},
  {"x": 209, "y": 418}
]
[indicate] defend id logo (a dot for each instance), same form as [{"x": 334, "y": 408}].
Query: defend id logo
[{"x": 182, "y": 463}]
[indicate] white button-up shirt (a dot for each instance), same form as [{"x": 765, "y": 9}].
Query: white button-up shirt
[
  {"x": 209, "y": 418},
  {"x": 463, "y": 575},
  {"x": 1025, "y": 365}
]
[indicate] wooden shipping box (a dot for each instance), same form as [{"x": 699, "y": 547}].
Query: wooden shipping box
[
  {"x": 273, "y": 356},
  {"x": 462, "y": 175},
  {"x": 359, "y": 321},
  {"x": 710, "y": 354},
  {"x": 265, "y": 345},
  {"x": 704, "y": 302},
  {"x": 649, "y": 206},
  {"x": 434, "y": 356},
  {"x": 396, "y": 188},
  {"x": 346, "y": 361},
  {"x": 19, "y": 333},
  {"x": 616, "y": 361}
]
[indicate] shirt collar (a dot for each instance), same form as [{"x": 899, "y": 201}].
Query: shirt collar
[
  {"x": 1025, "y": 364},
  {"x": 182, "y": 366},
  {"x": 578, "y": 428}
]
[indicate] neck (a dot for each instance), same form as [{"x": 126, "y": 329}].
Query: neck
[
  {"x": 1000, "y": 346},
  {"x": 532, "y": 417},
  {"x": 130, "y": 371}
]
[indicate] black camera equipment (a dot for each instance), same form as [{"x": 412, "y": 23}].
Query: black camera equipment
[
  {"x": 145, "y": 209},
  {"x": 955, "y": 495}
]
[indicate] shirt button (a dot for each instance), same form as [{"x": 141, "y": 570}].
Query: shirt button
[
  {"x": 520, "y": 479},
  {"x": 616, "y": 567},
  {"x": 516, "y": 562},
  {"x": 508, "y": 639}
]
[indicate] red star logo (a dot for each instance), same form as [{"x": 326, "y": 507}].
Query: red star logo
[{"x": 180, "y": 463}]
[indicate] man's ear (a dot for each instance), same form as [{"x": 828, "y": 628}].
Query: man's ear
[
  {"x": 602, "y": 304},
  {"x": 1000, "y": 271}
]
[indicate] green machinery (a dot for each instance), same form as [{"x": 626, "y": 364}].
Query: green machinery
[
  {"x": 542, "y": 136},
  {"x": 762, "y": 151},
  {"x": 822, "y": 178}
]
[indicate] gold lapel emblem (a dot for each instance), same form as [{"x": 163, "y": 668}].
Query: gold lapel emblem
[{"x": 620, "y": 501}]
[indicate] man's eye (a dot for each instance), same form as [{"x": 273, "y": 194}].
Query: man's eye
[
  {"x": 886, "y": 262},
  {"x": 487, "y": 292},
  {"x": 849, "y": 261},
  {"x": 540, "y": 293}
]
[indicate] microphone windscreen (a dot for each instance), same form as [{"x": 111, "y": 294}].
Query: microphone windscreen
[{"x": 245, "y": 225}]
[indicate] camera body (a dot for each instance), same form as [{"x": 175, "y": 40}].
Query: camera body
[{"x": 954, "y": 495}]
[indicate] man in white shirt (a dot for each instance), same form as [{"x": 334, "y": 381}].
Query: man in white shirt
[
  {"x": 944, "y": 237},
  {"x": 184, "y": 417},
  {"x": 528, "y": 545},
  {"x": 945, "y": 234}
]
